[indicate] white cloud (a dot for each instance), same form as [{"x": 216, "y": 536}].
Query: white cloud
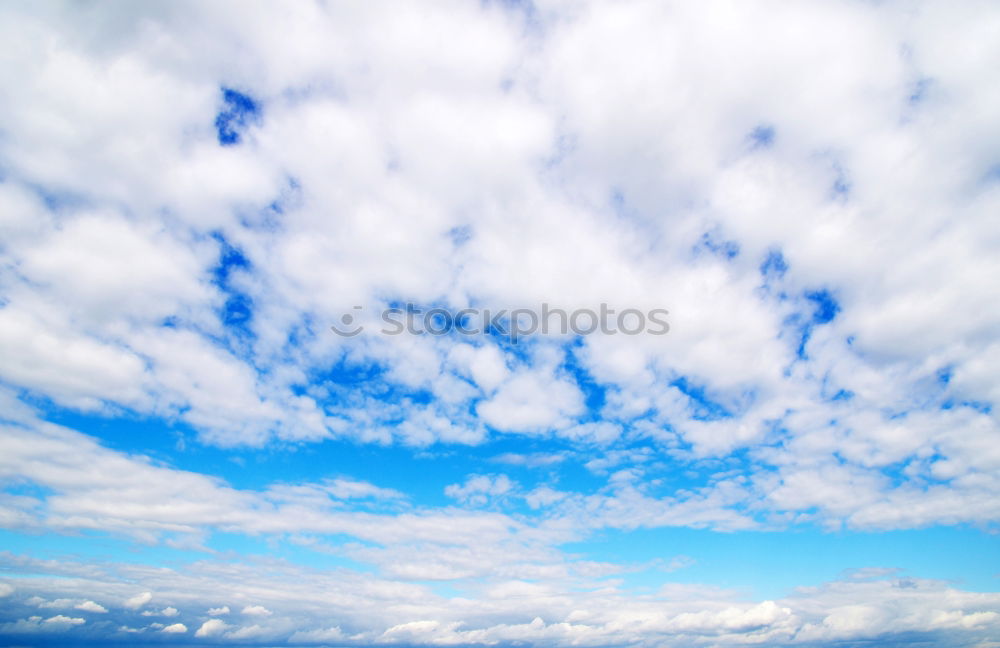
[
  {"x": 91, "y": 606},
  {"x": 211, "y": 628},
  {"x": 40, "y": 602},
  {"x": 218, "y": 611},
  {"x": 137, "y": 601},
  {"x": 175, "y": 628},
  {"x": 256, "y": 610},
  {"x": 60, "y": 620},
  {"x": 247, "y": 632},
  {"x": 532, "y": 402}
]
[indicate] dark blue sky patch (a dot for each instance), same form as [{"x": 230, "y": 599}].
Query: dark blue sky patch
[
  {"x": 230, "y": 257},
  {"x": 804, "y": 334},
  {"x": 824, "y": 309},
  {"x": 980, "y": 406},
  {"x": 237, "y": 310},
  {"x": 238, "y": 112},
  {"x": 825, "y": 306},
  {"x": 595, "y": 394}
]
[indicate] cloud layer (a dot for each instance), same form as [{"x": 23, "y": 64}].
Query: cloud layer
[{"x": 191, "y": 195}]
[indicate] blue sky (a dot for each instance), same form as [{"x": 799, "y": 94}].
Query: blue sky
[{"x": 195, "y": 198}]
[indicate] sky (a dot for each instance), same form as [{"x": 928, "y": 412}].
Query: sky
[{"x": 211, "y": 433}]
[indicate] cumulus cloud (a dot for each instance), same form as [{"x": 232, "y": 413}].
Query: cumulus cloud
[
  {"x": 211, "y": 628},
  {"x": 256, "y": 610},
  {"x": 137, "y": 601}
]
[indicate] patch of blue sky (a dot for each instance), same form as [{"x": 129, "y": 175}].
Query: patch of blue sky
[
  {"x": 714, "y": 244},
  {"x": 773, "y": 269},
  {"x": 236, "y": 312},
  {"x": 238, "y": 112},
  {"x": 762, "y": 136},
  {"x": 97, "y": 546},
  {"x": 230, "y": 258},
  {"x": 821, "y": 307},
  {"x": 826, "y": 306},
  {"x": 574, "y": 476},
  {"x": 419, "y": 473},
  {"x": 170, "y": 443},
  {"x": 899, "y": 474},
  {"x": 300, "y": 332},
  {"x": 594, "y": 394},
  {"x": 18, "y": 488},
  {"x": 842, "y": 395},
  {"x": 982, "y": 407},
  {"x": 704, "y": 406},
  {"x": 771, "y": 564},
  {"x": 774, "y": 265},
  {"x": 348, "y": 373},
  {"x": 461, "y": 234}
]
